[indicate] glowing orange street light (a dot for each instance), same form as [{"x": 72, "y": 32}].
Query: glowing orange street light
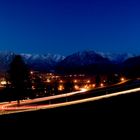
[
  {"x": 122, "y": 79},
  {"x": 93, "y": 85},
  {"x": 3, "y": 82},
  {"x": 88, "y": 81},
  {"x": 61, "y": 87},
  {"x": 75, "y": 81},
  {"x": 61, "y": 81},
  {"x": 76, "y": 87},
  {"x": 101, "y": 84},
  {"x": 83, "y": 89},
  {"x": 48, "y": 80}
]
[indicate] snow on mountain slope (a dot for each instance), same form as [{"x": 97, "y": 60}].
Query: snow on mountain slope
[
  {"x": 116, "y": 57},
  {"x": 35, "y": 61},
  {"x": 48, "y": 62},
  {"x": 84, "y": 58}
]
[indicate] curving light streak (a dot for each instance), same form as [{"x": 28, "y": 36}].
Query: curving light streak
[
  {"x": 6, "y": 106},
  {"x": 52, "y": 97},
  {"x": 25, "y": 107},
  {"x": 24, "y": 104},
  {"x": 89, "y": 99}
]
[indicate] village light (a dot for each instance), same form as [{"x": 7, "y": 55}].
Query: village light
[
  {"x": 33, "y": 87},
  {"x": 122, "y": 79},
  {"x": 76, "y": 87},
  {"x": 3, "y": 82},
  {"x": 31, "y": 72},
  {"x": 48, "y": 80},
  {"x": 101, "y": 84},
  {"x": 93, "y": 85},
  {"x": 61, "y": 87},
  {"x": 61, "y": 81},
  {"x": 83, "y": 89}
]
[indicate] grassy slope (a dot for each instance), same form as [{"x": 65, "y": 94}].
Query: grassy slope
[{"x": 119, "y": 107}]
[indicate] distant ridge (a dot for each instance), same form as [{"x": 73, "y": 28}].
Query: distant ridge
[
  {"x": 90, "y": 61},
  {"x": 44, "y": 62}
]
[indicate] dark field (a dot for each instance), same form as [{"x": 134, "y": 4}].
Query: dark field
[{"x": 121, "y": 111}]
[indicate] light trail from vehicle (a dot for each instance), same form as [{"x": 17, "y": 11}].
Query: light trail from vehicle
[
  {"x": 24, "y": 104},
  {"x": 7, "y": 108},
  {"x": 53, "y": 97},
  {"x": 11, "y": 106}
]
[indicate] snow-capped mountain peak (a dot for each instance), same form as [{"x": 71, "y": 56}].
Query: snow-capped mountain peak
[
  {"x": 116, "y": 57},
  {"x": 49, "y": 62}
]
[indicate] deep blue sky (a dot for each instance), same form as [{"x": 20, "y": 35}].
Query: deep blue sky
[{"x": 67, "y": 26}]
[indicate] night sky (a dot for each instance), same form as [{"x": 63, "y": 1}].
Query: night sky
[{"x": 67, "y": 26}]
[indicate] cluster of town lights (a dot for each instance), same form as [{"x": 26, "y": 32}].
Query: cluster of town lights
[
  {"x": 61, "y": 87},
  {"x": 78, "y": 84}
]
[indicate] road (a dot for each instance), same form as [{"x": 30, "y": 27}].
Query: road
[{"x": 41, "y": 103}]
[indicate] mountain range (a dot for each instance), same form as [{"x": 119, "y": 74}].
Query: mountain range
[{"x": 85, "y": 61}]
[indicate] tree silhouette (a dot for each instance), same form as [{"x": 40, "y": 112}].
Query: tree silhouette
[
  {"x": 97, "y": 80},
  {"x": 69, "y": 86},
  {"x": 112, "y": 78},
  {"x": 19, "y": 78},
  {"x": 39, "y": 86},
  {"x": 55, "y": 87}
]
